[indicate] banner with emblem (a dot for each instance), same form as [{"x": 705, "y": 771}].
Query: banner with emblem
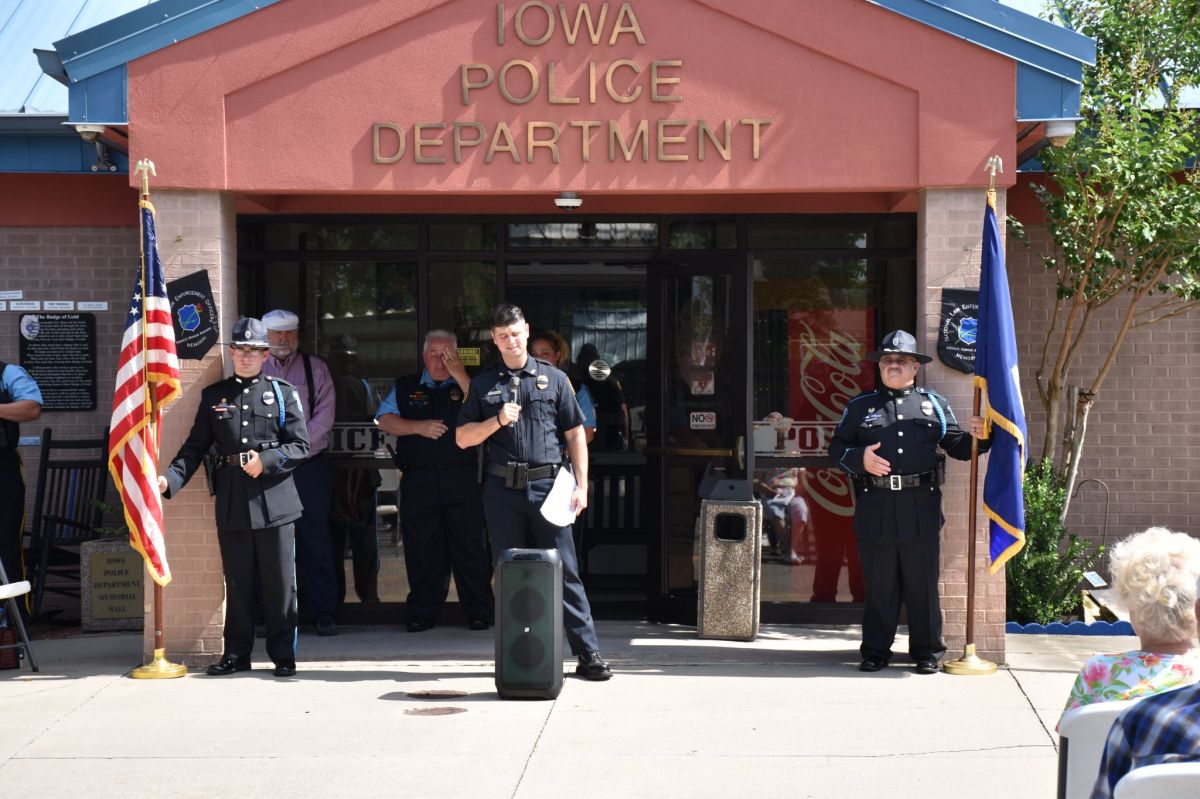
[
  {"x": 958, "y": 329},
  {"x": 194, "y": 315}
]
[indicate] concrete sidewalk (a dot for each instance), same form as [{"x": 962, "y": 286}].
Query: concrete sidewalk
[{"x": 788, "y": 715}]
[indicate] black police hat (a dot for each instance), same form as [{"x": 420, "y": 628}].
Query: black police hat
[
  {"x": 898, "y": 342},
  {"x": 249, "y": 332}
]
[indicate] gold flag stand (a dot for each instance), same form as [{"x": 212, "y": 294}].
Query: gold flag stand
[
  {"x": 970, "y": 663},
  {"x": 159, "y": 668}
]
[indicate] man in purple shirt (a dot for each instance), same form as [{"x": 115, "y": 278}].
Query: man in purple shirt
[{"x": 314, "y": 547}]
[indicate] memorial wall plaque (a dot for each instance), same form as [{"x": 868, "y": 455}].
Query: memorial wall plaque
[
  {"x": 59, "y": 352},
  {"x": 194, "y": 313}
]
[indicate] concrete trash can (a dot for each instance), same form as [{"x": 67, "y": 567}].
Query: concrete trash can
[{"x": 730, "y": 569}]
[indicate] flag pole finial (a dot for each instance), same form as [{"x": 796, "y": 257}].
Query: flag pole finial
[
  {"x": 146, "y": 167},
  {"x": 994, "y": 164}
]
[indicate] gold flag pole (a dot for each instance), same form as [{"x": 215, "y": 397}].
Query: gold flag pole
[
  {"x": 159, "y": 668},
  {"x": 970, "y": 663}
]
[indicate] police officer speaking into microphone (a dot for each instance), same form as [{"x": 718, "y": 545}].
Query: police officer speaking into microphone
[
  {"x": 519, "y": 407},
  {"x": 257, "y": 424},
  {"x": 888, "y": 441}
]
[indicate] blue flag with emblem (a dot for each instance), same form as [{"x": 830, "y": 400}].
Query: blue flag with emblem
[{"x": 996, "y": 376}]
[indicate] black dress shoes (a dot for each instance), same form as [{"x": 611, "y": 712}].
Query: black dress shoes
[
  {"x": 285, "y": 668},
  {"x": 872, "y": 664},
  {"x": 927, "y": 666},
  {"x": 419, "y": 625},
  {"x": 478, "y": 624},
  {"x": 592, "y": 667},
  {"x": 228, "y": 665}
]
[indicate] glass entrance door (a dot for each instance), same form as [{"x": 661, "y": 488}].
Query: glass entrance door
[{"x": 698, "y": 419}]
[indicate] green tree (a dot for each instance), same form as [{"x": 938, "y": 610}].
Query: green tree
[
  {"x": 1040, "y": 582},
  {"x": 1121, "y": 203}
]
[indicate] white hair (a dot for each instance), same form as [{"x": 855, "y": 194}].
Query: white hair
[
  {"x": 1157, "y": 576},
  {"x": 439, "y": 335}
]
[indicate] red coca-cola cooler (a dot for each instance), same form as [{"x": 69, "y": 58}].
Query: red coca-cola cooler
[{"x": 827, "y": 359}]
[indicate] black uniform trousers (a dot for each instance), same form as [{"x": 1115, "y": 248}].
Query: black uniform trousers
[
  {"x": 441, "y": 516},
  {"x": 515, "y": 521},
  {"x": 314, "y": 540},
  {"x": 895, "y": 572},
  {"x": 268, "y": 554},
  {"x": 12, "y": 516}
]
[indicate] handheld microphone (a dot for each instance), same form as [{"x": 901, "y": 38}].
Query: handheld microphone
[{"x": 514, "y": 388}]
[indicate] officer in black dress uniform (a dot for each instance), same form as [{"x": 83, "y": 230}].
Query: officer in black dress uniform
[
  {"x": 441, "y": 510},
  {"x": 888, "y": 441},
  {"x": 257, "y": 424},
  {"x": 519, "y": 407}
]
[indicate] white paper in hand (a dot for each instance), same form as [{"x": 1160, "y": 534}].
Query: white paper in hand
[{"x": 557, "y": 507}]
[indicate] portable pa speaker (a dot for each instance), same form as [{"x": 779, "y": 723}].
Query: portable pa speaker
[{"x": 529, "y": 624}]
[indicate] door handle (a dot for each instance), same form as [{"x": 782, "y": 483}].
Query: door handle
[
  {"x": 741, "y": 452},
  {"x": 690, "y": 452}
]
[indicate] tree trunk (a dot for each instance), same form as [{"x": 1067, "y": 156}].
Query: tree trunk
[{"x": 1082, "y": 407}]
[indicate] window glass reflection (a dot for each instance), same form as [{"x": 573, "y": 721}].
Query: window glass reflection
[
  {"x": 461, "y": 296},
  {"x": 583, "y": 234}
]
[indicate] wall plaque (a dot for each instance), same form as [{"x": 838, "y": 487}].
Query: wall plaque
[{"x": 59, "y": 352}]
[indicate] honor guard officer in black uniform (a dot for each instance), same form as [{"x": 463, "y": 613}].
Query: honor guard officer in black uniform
[
  {"x": 519, "y": 407},
  {"x": 441, "y": 510},
  {"x": 888, "y": 441},
  {"x": 257, "y": 424}
]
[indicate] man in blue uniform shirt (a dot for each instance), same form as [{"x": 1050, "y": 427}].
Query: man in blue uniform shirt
[
  {"x": 520, "y": 406},
  {"x": 888, "y": 442},
  {"x": 20, "y": 401},
  {"x": 257, "y": 424},
  {"x": 441, "y": 511}
]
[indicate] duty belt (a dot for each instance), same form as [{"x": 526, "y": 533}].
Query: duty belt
[
  {"x": 897, "y": 482},
  {"x": 518, "y": 475},
  {"x": 235, "y": 459},
  {"x": 410, "y": 467}
]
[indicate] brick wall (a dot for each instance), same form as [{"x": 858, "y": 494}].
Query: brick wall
[
  {"x": 196, "y": 230},
  {"x": 950, "y": 232},
  {"x": 1143, "y": 430},
  {"x": 70, "y": 263}
]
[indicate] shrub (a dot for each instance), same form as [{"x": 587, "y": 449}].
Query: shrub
[{"x": 1043, "y": 577}]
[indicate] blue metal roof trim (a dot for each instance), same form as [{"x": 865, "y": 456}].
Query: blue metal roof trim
[
  {"x": 101, "y": 99},
  {"x": 145, "y": 30},
  {"x": 61, "y": 152},
  {"x": 1053, "y": 57}
]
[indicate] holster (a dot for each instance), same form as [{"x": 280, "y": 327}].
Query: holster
[{"x": 210, "y": 471}]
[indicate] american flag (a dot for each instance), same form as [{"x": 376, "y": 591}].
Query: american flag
[{"x": 147, "y": 380}]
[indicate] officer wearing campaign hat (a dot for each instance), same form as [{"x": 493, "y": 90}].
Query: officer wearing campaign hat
[
  {"x": 888, "y": 441},
  {"x": 256, "y": 427},
  {"x": 314, "y": 479}
]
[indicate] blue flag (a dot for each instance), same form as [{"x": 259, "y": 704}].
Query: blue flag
[{"x": 996, "y": 375}]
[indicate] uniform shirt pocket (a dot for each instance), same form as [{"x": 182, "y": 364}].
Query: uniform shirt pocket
[
  {"x": 544, "y": 408},
  {"x": 266, "y": 424}
]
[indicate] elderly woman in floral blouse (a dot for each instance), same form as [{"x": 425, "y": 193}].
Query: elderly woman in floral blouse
[{"x": 1154, "y": 573}]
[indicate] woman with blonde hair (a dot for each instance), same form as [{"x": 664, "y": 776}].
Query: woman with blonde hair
[{"x": 1154, "y": 573}]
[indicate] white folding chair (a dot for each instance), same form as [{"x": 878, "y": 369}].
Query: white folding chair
[
  {"x": 8, "y": 594},
  {"x": 1082, "y": 733},
  {"x": 1161, "y": 781}
]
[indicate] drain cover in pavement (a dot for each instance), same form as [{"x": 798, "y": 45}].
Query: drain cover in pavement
[
  {"x": 434, "y": 711},
  {"x": 436, "y": 694}
]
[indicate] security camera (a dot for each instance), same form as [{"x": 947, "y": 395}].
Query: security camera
[
  {"x": 89, "y": 133},
  {"x": 568, "y": 201}
]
